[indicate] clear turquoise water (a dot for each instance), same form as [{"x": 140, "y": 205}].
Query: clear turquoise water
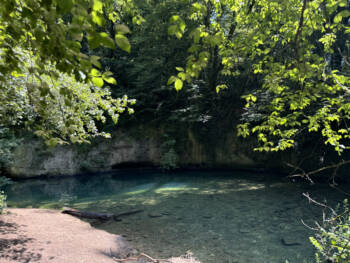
[{"x": 221, "y": 217}]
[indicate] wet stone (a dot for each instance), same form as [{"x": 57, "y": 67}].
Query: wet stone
[
  {"x": 154, "y": 215},
  {"x": 244, "y": 230}
]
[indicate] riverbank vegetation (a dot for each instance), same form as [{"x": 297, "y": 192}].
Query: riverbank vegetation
[
  {"x": 279, "y": 71},
  {"x": 288, "y": 60}
]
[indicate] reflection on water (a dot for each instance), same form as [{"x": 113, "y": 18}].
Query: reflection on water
[{"x": 221, "y": 217}]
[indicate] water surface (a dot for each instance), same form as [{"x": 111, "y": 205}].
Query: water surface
[{"x": 221, "y": 217}]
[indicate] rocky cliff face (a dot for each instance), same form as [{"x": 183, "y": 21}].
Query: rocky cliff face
[{"x": 33, "y": 158}]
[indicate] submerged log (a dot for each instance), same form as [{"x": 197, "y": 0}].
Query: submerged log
[
  {"x": 95, "y": 215},
  {"x": 88, "y": 215}
]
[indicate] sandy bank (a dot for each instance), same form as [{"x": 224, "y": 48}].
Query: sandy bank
[{"x": 42, "y": 235}]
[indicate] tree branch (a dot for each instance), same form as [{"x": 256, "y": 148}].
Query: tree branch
[
  {"x": 308, "y": 174},
  {"x": 299, "y": 30},
  {"x": 307, "y": 195}
]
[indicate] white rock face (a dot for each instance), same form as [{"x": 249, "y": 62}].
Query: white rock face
[
  {"x": 137, "y": 148},
  {"x": 33, "y": 159}
]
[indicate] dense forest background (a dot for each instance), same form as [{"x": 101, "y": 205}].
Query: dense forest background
[{"x": 276, "y": 70}]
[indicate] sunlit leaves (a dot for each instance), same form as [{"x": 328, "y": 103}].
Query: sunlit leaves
[
  {"x": 123, "y": 42},
  {"x": 178, "y": 84},
  {"x": 122, "y": 29},
  {"x": 290, "y": 47},
  {"x": 339, "y": 17},
  {"x": 62, "y": 110},
  {"x": 51, "y": 86},
  {"x": 100, "y": 39},
  {"x": 177, "y": 27},
  {"x": 221, "y": 87},
  {"x": 48, "y": 30}
]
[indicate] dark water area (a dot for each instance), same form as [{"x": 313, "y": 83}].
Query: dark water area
[{"x": 218, "y": 216}]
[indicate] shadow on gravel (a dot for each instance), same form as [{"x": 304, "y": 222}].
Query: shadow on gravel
[{"x": 14, "y": 247}]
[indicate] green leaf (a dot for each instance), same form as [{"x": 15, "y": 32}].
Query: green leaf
[
  {"x": 97, "y": 6},
  {"x": 182, "y": 75},
  {"x": 171, "y": 80},
  {"x": 339, "y": 17},
  {"x": 94, "y": 41},
  {"x": 174, "y": 18},
  {"x": 95, "y": 73},
  {"x": 106, "y": 41},
  {"x": 178, "y": 84},
  {"x": 123, "y": 42},
  {"x": 110, "y": 80},
  {"x": 122, "y": 29},
  {"x": 220, "y": 87},
  {"x": 182, "y": 26},
  {"x": 97, "y": 18},
  {"x": 95, "y": 61},
  {"x": 172, "y": 30},
  {"x": 178, "y": 34},
  {"x": 98, "y": 82},
  {"x": 65, "y": 6}
]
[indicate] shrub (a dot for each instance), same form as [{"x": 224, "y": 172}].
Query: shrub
[
  {"x": 3, "y": 181},
  {"x": 169, "y": 159},
  {"x": 2, "y": 201},
  {"x": 332, "y": 238}
]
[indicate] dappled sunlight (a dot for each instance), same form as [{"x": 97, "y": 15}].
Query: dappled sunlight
[
  {"x": 216, "y": 219},
  {"x": 175, "y": 187},
  {"x": 240, "y": 187},
  {"x": 140, "y": 189},
  {"x": 250, "y": 187},
  {"x": 151, "y": 201}
]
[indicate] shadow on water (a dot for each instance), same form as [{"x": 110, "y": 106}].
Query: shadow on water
[{"x": 218, "y": 216}]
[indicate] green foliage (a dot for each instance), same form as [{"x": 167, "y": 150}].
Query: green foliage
[
  {"x": 143, "y": 72},
  {"x": 47, "y": 83},
  {"x": 56, "y": 106},
  {"x": 169, "y": 158},
  {"x": 2, "y": 201},
  {"x": 298, "y": 50},
  {"x": 332, "y": 239},
  {"x": 43, "y": 28},
  {"x": 3, "y": 181},
  {"x": 8, "y": 141}
]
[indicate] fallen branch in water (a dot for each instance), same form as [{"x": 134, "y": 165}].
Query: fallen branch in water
[
  {"x": 116, "y": 217},
  {"x": 153, "y": 260},
  {"x": 99, "y": 216},
  {"x": 308, "y": 174},
  {"x": 88, "y": 215}
]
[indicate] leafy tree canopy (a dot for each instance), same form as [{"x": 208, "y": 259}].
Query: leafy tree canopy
[
  {"x": 46, "y": 81},
  {"x": 299, "y": 50}
]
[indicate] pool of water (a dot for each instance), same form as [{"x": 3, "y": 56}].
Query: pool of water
[{"x": 221, "y": 217}]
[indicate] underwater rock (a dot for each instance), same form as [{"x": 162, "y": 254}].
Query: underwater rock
[
  {"x": 288, "y": 242},
  {"x": 154, "y": 215}
]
